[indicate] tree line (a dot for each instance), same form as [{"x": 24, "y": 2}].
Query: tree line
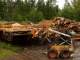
[{"x": 37, "y": 10}]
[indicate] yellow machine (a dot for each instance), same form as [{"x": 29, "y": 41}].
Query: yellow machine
[
  {"x": 60, "y": 51},
  {"x": 76, "y": 37},
  {"x": 61, "y": 47}
]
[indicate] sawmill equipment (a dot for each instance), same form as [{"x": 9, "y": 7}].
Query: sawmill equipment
[{"x": 61, "y": 46}]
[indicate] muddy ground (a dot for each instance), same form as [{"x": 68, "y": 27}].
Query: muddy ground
[{"x": 37, "y": 53}]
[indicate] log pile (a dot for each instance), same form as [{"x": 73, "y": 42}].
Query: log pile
[{"x": 40, "y": 31}]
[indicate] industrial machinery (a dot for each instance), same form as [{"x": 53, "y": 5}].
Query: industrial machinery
[{"x": 61, "y": 46}]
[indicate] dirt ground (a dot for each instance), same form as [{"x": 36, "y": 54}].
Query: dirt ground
[{"x": 37, "y": 53}]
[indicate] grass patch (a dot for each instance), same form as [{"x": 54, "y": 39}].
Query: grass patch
[
  {"x": 7, "y": 49},
  {"x": 5, "y": 53},
  {"x": 10, "y": 47}
]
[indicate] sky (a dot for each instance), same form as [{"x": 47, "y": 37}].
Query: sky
[{"x": 60, "y": 3}]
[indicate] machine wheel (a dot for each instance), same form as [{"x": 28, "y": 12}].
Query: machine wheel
[
  {"x": 65, "y": 54},
  {"x": 52, "y": 54}
]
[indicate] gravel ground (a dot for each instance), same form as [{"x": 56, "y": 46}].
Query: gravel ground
[{"x": 37, "y": 53}]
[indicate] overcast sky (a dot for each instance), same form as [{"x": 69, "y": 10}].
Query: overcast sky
[{"x": 61, "y": 3}]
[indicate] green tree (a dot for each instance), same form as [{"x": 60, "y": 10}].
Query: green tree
[
  {"x": 71, "y": 10},
  {"x": 35, "y": 15},
  {"x": 67, "y": 11},
  {"x": 32, "y": 10},
  {"x": 51, "y": 9}
]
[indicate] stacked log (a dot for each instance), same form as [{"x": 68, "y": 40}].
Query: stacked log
[{"x": 41, "y": 30}]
